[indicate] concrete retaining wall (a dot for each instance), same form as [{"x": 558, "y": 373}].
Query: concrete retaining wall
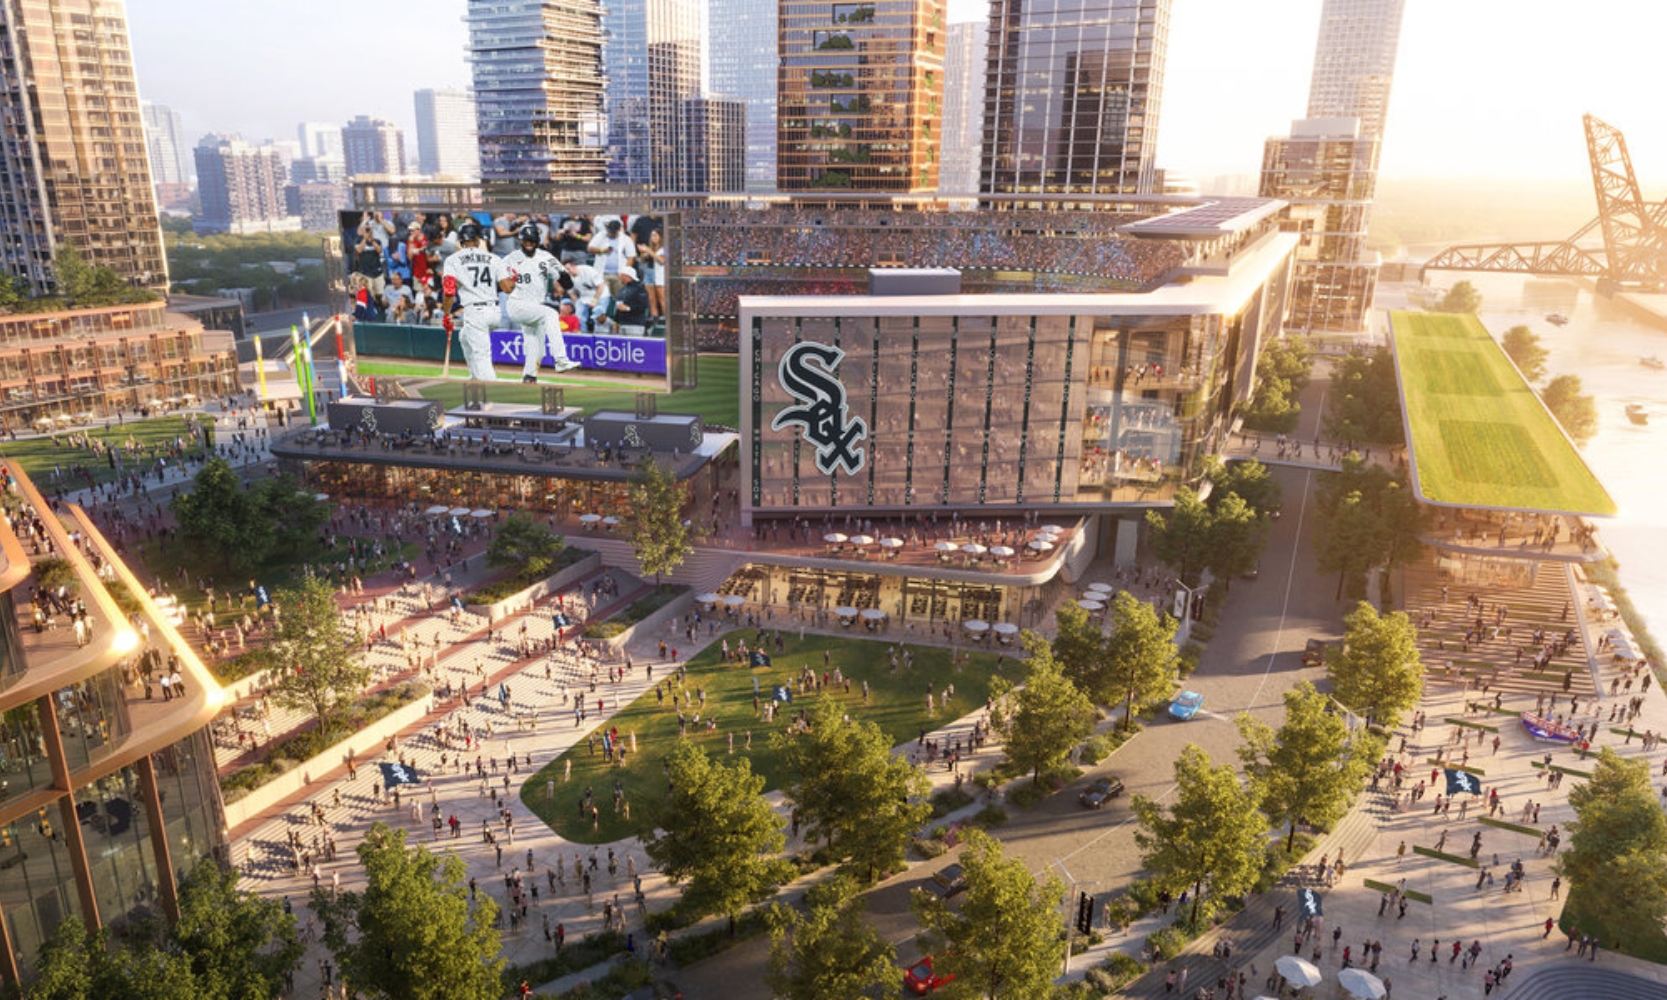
[
  {"x": 524, "y": 599},
  {"x": 679, "y": 605}
]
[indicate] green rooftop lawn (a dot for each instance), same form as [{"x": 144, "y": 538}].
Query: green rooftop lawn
[
  {"x": 1479, "y": 435},
  {"x": 716, "y": 396},
  {"x": 897, "y": 705}
]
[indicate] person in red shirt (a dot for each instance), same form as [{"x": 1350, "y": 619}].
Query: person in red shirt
[{"x": 568, "y": 319}]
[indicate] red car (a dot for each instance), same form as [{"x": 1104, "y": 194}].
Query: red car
[{"x": 920, "y": 978}]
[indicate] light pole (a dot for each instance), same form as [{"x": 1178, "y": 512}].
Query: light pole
[{"x": 1076, "y": 887}]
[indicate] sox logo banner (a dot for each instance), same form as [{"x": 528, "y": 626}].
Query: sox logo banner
[{"x": 823, "y": 413}]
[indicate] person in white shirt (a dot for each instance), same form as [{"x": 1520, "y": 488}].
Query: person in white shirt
[
  {"x": 590, "y": 295},
  {"x": 471, "y": 281},
  {"x": 614, "y": 250},
  {"x": 534, "y": 269}
]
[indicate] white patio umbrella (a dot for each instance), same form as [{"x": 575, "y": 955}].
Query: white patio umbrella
[
  {"x": 1297, "y": 972},
  {"x": 610, "y": 520},
  {"x": 1103, "y": 588},
  {"x": 974, "y": 549},
  {"x": 1088, "y": 605},
  {"x": 1001, "y": 551},
  {"x": 834, "y": 538},
  {"x": 482, "y": 514},
  {"x": 891, "y": 543},
  {"x": 1005, "y": 628},
  {"x": 709, "y": 598},
  {"x": 589, "y": 518},
  {"x": 862, "y": 539},
  {"x": 873, "y": 614},
  {"x": 946, "y": 547},
  {"x": 436, "y": 510},
  {"x": 976, "y": 625},
  {"x": 321, "y": 497},
  {"x": 845, "y": 611},
  {"x": 734, "y": 601},
  {"x": 1362, "y": 984},
  {"x": 1041, "y": 546},
  {"x": 459, "y": 512},
  {"x": 1051, "y": 529}
]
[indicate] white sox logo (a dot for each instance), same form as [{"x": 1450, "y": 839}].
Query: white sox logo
[{"x": 823, "y": 415}]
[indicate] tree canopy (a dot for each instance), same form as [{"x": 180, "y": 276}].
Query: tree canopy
[
  {"x": 1282, "y": 372},
  {"x": 1046, "y": 718},
  {"x": 319, "y": 668},
  {"x": 658, "y": 535},
  {"x": 1309, "y": 770},
  {"x": 1522, "y": 346},
  {"x": 1140, "y": 655},
  {"x": 1183, "y": 537},
  {"x": 1378, "y": 673},
  {"x": 1576, "y": 410},
  {"x": 524, "y": 545},
  {"x": 1461, "y": 298},
  {"x": 715, "y": 834},
  {"x": 1616, "y": 861},
  {"x": 236, "y": 529},
  {"x": 1211, "y": 836},
  {"x": 1367, "y": 517},
  {"x": 414, "y": 932},
  {"x": 850, "y": 790},
  {"x": 829, "y": 952},
  {"x": 1006, "y": 938},
  {"x": 1364, "y": 404}
]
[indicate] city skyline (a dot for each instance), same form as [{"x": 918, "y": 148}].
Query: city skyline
[{"x": 1208, "y": 129}]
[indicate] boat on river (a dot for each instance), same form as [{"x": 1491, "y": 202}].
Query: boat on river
[{"x": 1636, "y": 413}]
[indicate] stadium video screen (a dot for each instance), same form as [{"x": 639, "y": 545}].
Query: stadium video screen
[{"x": 509, "y": 296}]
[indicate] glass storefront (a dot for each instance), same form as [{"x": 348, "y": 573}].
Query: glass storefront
[
  {"x": 117, "y": 830},
  {"x": 915, "y": 603},
  {"x": 92, "y": 718},
  {"x": 23, "y": 763},
  {"x": 191, "y": 808},
  {"x": 37, "y": 884},
  {"x": 462, "y": 488}
]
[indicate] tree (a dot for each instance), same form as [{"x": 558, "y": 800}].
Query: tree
[
  {"x": 1005, "y": 938},
  {"x": 85, "y": 284},
  {"x": 1616, "y": 861},
  {"x": 829, "y": 952},
  {"x": 1350, "y": 538},
  {"x": 850, "y": 790},
  {"x": 1368, "y": 517},
  {"x": 1141, "y": 657},
  {"x": 219, "y": 521},
  {"x": 1310, "y": 769},
  {"x": 1213, "y": 834},
  {"x": 76, "y": 964},
  {"x": 318, "y": 661},
  {"x": 239, "y": 945},
  {"x": 1522, "y": 346},
  {"x": 1461, "y": 298},
  {"x": 1248, "y": 479},
  {"x": 1378, "y": 673},
  {"x": 1048, "y": 716},
  {"x": 522, "y": 544},
  {"x": 292, "y": 514},
  {"x": 1282, "y": 372},
  {"x": 1079, "y": 648},
  {"x": 1238, "y": 534},
  {"x": 656, "y": 529},
  {"x": 414, "y": 932},
  {"x": 1364, "y": 403},
  {"x": 1575, "y": 410},
  {"x": 716, "y": 835},
  {"x": 1183, "y": 538}
]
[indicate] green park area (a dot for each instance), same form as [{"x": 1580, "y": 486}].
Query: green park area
[
  {"x": 40, "y": 455},
  {"x": 897, "y": 704},
  {"x": 715, "y": 396},
  {"x": 1479, "y": 436}
]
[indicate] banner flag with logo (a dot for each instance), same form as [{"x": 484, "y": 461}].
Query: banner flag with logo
[
  {"x": 394, "y": 775},
  {"x": 1308, "y": 904},
  {"x": 1462, "y": 781}
]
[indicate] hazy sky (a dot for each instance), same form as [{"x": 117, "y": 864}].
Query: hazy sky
[{"x": 1484, "y": 88}]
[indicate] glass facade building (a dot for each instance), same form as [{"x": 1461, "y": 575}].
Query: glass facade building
[
  {"x": 712, "y": 145},
  {"x": 651, "y": 59},
  {"x": 1354, "y": 62},
  {"x": 1073, "y": 90},
  {"x": 963, "y": 107},
  {"x": 860, "y": 95},
  {"x": 743, "y": 67},
  {"x": 537, "y": 68},
  {"x": 106, "y": 797},
  {"x": 74, "y": 164},
  {"x": 998, "y": 402},
  {"x": 448, "y": 140}
]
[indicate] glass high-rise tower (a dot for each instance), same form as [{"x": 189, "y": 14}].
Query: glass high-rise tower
[
  {"x": 743, "y": 67},
  {"x": 1327, "y": 168},
  {"x": 651, "y": 57},
  {"x": 1072, "y": 94},
  {"x": 74, "y": 167},
  {"x": 538, "y": 89},
  {"x": 859, "y": 103}
]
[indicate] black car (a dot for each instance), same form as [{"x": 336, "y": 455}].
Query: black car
[
  {"x": 950, "y": 880},
  {"x": 1100, "y": 791},
  {"x": 1313, "y": 654}
]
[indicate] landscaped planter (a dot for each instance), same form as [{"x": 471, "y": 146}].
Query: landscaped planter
[
  {"x": 676, "y": 606},
  {"x": 521, "y": 600}
]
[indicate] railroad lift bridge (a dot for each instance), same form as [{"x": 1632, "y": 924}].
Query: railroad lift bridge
[{"x": 1632, "y": 256}]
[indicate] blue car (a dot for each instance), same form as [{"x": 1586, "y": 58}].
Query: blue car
[{"x": 1185, "y": 705}]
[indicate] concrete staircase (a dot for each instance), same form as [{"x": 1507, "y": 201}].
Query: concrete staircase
[
  {"x": 705, "y": 569},
  {"x": 1586, "y": 980}
]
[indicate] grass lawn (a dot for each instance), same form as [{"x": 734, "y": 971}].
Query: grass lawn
[
  {"x": 898, "y": 707},
  {"x": 1479, "y": 435},
  {"x": 716, "y": 396},
  {"x": 39, "y": 455}
]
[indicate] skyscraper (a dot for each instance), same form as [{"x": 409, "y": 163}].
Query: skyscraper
[
  {"x": 241, "y": 187},
  {"x": 712, "y": 145},
  {"x": 1327, "y": 168},
  {"x": 651, "y": 57},
  {"x": 73, "y": 160},
  {"x": 963, "y": 106},
  {"x": 320, "y": 139},
  {"x": 538, "y": 89},
  {"x": 373, "y": 146},
  {"x": 743, "y": 65},
  {"x": 860, "y": 95},
  {"x": 1354, "y": 62},
  {"x": 448, "y": 142},
  {"x": 165, "y": 140},
  {"x": 1072, "y": 95}
]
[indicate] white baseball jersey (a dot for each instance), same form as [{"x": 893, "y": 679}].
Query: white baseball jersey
[
  {"x": 472, "y": 275},
  {"x": 533, "y": 274}
]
